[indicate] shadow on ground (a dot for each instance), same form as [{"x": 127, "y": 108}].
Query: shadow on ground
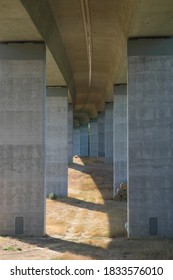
[{"x": 90, "y": 197}]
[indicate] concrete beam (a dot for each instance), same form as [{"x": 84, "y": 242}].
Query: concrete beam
[
  {"x": 84, "y": 140},
  {"x": 94, "y": 138},
  {"x": 120, "y": 135},
  {"x": 109, "y": 133},
  {"x": 22, "y": 139},
  {"x": 150, "y": 134},
  {"x": 101, "y": 134},
  {"x": 39, "y": 10},
  {"x": 57, "y": 141},
  {"x": 70, "y": 133},
  {"x": 76, "y": 141}
]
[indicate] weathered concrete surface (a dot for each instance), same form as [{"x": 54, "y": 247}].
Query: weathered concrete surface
[
  {"x": 101, "y": 134},
  {"x": 150, "y": 134},
  {"x": 84, "y": 140},
  {"x": 109, "y": 133},
  {"x": 57, "y": 141},
  {"x": 94, "y": 31},
  {"x": 22, "y": 97},
  {"x": 109, "y": 22},
  {"x": 120, "y": 135},
  {"x": 94, "y": 138},
  {"x": 49, "y": 30},
  {"x": 70, "y": 133},
  {"x": 76, "y": 141}
]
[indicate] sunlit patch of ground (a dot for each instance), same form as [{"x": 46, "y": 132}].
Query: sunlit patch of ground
[{"x": 88, "y": 224}]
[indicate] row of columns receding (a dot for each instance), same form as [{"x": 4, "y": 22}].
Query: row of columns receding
[{"x": 36, "y": 138}]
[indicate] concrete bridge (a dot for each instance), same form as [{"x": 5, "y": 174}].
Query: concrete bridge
[{"x": 73, "y": 66}]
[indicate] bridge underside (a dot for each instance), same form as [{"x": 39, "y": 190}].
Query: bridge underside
[{"x": 104, "y": 68}]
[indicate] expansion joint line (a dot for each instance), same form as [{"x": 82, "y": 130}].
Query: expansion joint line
[{"x": 87, "y": 28}]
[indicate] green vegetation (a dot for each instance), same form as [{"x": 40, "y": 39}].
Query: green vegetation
[
  {"x": 52, "y": 196},
  {"x": 10, "y": 248}
]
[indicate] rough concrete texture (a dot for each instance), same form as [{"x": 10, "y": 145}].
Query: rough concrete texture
[
  {"x": 22, "y": 95},
  {"x": 70, "y": 133},
  {"x": 109, "y": 133},
  {"x": 94, "y": 138},
  {"x": 76, "y": 141},
  {"x": 150, "y": 134},
  {"x": 101, "y": 134},
  {"x": 57, "y": 142},
  {"x": 84, "y": 140},
  {"x": 120, "y": 135}
]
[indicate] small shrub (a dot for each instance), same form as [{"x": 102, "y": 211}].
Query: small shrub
[
  {"x": 10, "y": 248},
  {"x": 52, "y": 196}
]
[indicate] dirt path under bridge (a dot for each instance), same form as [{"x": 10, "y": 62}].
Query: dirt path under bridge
[{"x": 88, "y": 224}]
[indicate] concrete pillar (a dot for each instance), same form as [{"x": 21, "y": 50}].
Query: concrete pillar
[
  {"x": 84, "y": 140},
  {"x": 76, "y": 141},
  {"x": 93, "y": 138},
  {"x": 57, "y": 141},
  {"x": 109, "y": 133},
  {"x": 70, "y": 133},
  {"x": 150, "y": 138},
  {"x": 22, "y": 97},
  {"x": 120, "y": 135},
  {"x": 101, "y": 134}
]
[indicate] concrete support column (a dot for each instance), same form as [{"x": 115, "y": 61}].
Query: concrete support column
[
  {"x": 57, "y": 141},
  {"x": 93, "y": 138},
  {"x": 22, "y": 97},
  {"x": 101, "y": 134},
  {"x": 109, "y": 133},
  {"x": 120, "y": 135},
  {"x": 76, "y": 141},
  {"x": 84, "y": 140},
  {"x": 70, "y": 133},
  {"x": 150, "y": 138}
]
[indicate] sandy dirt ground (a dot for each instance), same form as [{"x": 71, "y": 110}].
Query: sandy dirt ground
[{"x": 88, "y": 224}]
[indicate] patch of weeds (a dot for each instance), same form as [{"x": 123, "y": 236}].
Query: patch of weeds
[
  {"x": 52, "y": 196},
  {"x": 10, "y": 248}
]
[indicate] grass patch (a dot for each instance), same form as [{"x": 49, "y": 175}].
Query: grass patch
[
  {"x": 10, "y": 248},
  {"x": 52, "y": 196}
]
